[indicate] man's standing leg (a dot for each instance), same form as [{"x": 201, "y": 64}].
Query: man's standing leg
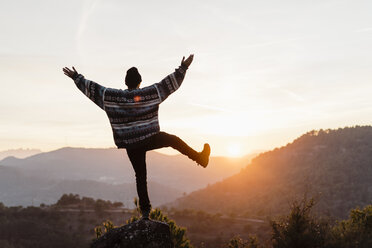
[{"x": 137, "y": 157}]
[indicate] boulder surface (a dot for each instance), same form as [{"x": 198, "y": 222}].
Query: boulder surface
[{"x": 139, "y": 234}]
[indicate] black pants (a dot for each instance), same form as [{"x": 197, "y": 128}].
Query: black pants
[{"x": 137, "y": 156}]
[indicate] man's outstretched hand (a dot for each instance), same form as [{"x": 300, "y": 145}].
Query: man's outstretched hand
[
  {"x": 70, "y": 73},
  {"x": 188, "y": 61}
]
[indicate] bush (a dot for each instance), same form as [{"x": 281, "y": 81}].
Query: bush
[
  {"x": 355, "y": 232},
  {"x": 299, "y": 228},
  {"x": 237, "y": 242}
]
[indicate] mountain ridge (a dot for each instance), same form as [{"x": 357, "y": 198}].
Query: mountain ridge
[
  {"x": 45, "y": 176},
  {"x": 334, "y": 166},
  {"x": 19, "y": 153},
  {"x": 113, "y": 166}
]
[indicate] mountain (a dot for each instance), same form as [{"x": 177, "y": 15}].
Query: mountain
[
  {"x": 113, "y": 166},
  {"x": 17, "y": 188},
  {"x": 105, "y": 174},
  {"x": 334, "y": 166},
  {"x": 19, "y": 153}
]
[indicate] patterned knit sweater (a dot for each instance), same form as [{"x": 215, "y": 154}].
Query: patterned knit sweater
[{"x": 133, "y": 114}]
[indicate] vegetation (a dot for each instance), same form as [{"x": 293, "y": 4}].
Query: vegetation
[
  {"x": 68, "y": 223},
  {"x": 75, "y": 201},
  {"x": 332, "y": 165},
  {"x": 22, "y": 227},
  {"x": 237, "y": 242},
  {"x": 35, "y": 227},
  {"x": 299, "y": 228},
  {"x": 355, "y": 232}
]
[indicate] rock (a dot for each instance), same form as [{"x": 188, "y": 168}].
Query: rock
[{"x": 139, "y": 234}]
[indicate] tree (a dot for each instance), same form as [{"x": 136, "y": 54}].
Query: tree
[
  {"x": 299, "y": 228},
  {"x": 88, "y": 202},
  {"x": 355, "y": 232},
  {"x": 118, "y": 204},
  {"x": 237, "y": 242},
  {"x": 68, "y": 199},
  {"x": 100, "y": 207}
]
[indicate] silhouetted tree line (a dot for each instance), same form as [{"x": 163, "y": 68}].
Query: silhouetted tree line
[
  {"x": 301, "y": 229},
  {"x": 39, "y": 227},
  {"x": 75, "y": 201},
  {"x": 35, "y": 227}
]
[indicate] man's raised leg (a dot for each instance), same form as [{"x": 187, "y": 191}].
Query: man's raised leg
[{"x": 163, "y": 139}]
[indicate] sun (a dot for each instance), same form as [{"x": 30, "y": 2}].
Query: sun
[{"x": 234, "y": 150}]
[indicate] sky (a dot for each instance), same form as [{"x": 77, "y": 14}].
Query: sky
[{"x": 264, "y": 72}]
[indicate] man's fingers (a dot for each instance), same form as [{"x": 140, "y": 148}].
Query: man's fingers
[
  {"x": 68, "y": 72},
  {"x": 190, "y": 58}
]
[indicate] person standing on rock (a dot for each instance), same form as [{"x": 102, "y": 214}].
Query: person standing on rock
[{"x": 133, "y": 115}]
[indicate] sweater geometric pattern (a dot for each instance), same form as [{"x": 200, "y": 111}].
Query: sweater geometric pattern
[{"x": 133, "y": 114}]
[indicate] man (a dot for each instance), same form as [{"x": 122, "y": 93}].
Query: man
[{"x": 133, "y": 115}]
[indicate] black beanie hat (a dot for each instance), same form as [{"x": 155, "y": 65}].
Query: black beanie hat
[{"x": 133, "y": 78}]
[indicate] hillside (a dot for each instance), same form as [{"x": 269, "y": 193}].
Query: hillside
[{"x": 335, "y": 166}]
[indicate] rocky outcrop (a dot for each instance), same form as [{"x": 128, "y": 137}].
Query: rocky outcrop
[{"x": 139, "y": 234}]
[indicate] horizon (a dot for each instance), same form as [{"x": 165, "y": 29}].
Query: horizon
[
  {"x": 264, "y": 73},
  {"x": 170, "y": 152},
  {"x": 160, "y": 151}
]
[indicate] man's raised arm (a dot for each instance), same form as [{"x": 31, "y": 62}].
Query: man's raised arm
[
  {"x": 92, "y": 90},
  {"x": 173, "y": 81}
]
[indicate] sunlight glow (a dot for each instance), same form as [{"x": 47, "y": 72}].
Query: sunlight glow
[{"x": 234, "y": 150}]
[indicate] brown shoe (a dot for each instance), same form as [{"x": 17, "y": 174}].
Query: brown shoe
[{"x": 204, "y": 156}]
